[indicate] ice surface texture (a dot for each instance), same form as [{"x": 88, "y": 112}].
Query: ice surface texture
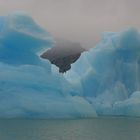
[
  {"x": 29, "y": 86},
  {"x": 104, "y": 81},
  {"x": 109, "y": 74}
]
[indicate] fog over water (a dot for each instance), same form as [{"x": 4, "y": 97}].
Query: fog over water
[{"x": 78, "y": 20}]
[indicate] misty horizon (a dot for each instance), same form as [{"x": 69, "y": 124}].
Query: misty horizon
[{"x": 81, "y": 21}]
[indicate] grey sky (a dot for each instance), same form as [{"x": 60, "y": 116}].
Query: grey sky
[{"x": 78, "y": 20}]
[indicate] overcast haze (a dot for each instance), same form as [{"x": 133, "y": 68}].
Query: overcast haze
[{"x": 78, "y": 20}]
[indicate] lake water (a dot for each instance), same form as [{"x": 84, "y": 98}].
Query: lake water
[{"x": 80, "y": 129}]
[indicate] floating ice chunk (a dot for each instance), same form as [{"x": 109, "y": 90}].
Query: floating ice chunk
[
  {"x": 29, "y": 86},
  {"x": 111, "y": 74}
]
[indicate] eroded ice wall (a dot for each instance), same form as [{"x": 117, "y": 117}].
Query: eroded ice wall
[
  {"x": 104, "y": 81},
  {"x": 109, "y": 74},
  {"x": 29, "y": 86}
]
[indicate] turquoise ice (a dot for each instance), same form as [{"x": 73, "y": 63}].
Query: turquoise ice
[
  {"x": 104, "y": 81},
  {"x": 29, "y": 86},
  {"x": 109, "y": 74}
]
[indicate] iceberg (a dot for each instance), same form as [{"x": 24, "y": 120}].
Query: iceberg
[
  {"x": 108, "y": 75},
  {"x": 31, "y": 87},
  {"x": 104, "y": 81}
]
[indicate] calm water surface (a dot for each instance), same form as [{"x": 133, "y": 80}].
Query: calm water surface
[{"x": 82, "y": 129}]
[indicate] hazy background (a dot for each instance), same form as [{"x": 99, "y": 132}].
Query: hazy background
[{"x": 78, "y": 20}]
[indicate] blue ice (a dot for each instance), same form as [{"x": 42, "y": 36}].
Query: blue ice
[
  {"x": 104, "y": 81},
  {"x": 109, "y": 74},
  {"x": 29, "y": 86}
]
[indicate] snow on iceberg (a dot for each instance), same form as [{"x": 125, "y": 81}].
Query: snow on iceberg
[
  {"x": 109, "y": 74},
  {"x": 29, "y": 86}
]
